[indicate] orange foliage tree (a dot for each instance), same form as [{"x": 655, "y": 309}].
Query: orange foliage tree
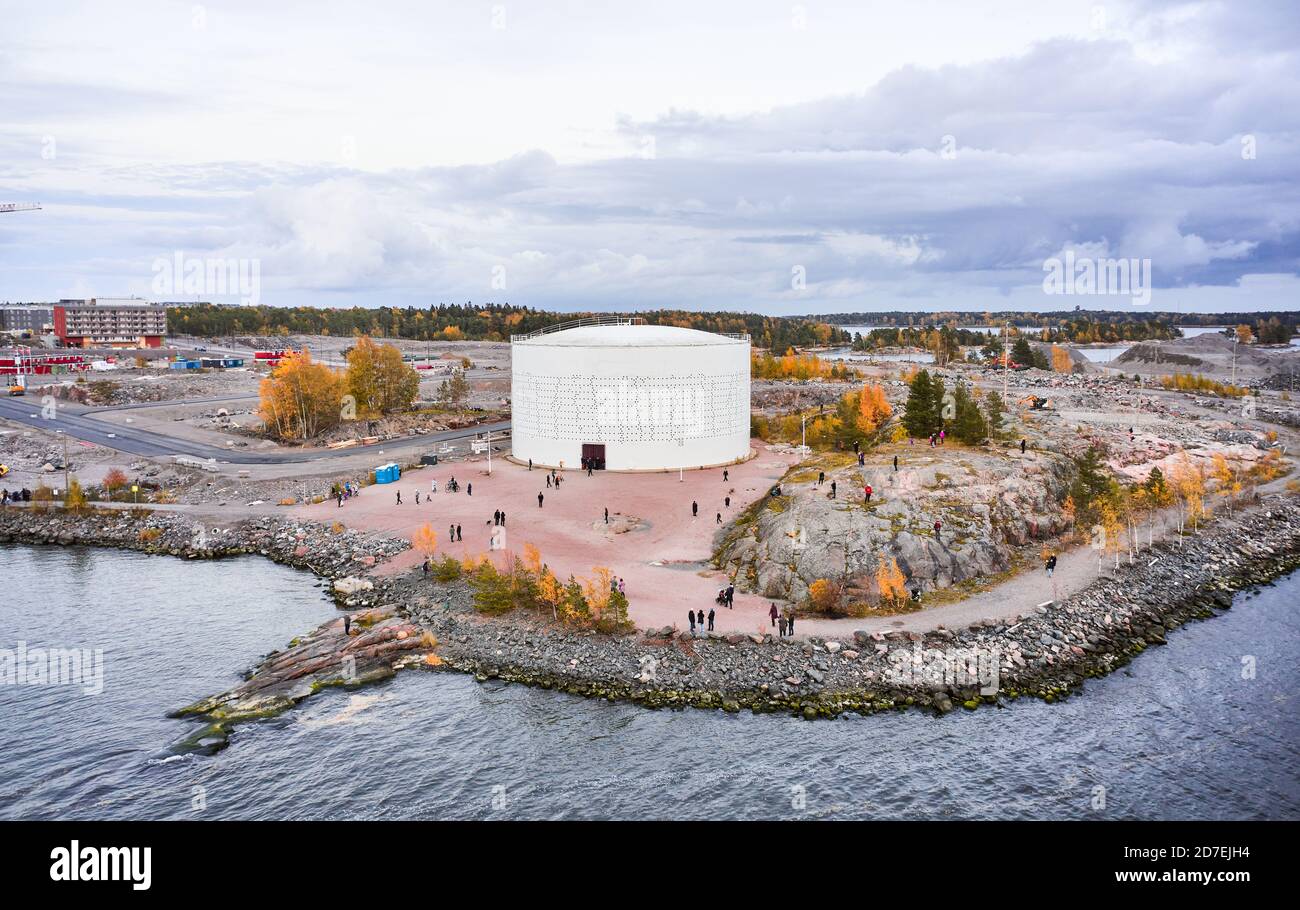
[
  {"x": 890, "y": 581},
  {"x": 301, "y": 398}
]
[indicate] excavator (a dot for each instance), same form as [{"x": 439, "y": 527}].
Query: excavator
[
  {"x": 1035, "y": 403},
  {"x": 4, "y": 469}
]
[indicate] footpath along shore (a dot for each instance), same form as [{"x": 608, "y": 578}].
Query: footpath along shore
[{"x": 406, "y": 620}]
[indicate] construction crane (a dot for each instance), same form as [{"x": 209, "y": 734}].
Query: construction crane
[{"x": 19, "y": 207}]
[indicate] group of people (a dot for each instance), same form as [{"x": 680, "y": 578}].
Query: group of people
[
  {"x": 782, "y": 620},
  {"x": 726, "y": 597},
  {"x": 23, "y": 495},
  {"x": 345, "y": 490},
  {"x": 936, "y": 439},
  {"x": 699, "y": 619}
]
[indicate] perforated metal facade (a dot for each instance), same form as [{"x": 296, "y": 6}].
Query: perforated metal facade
[{"x": 651, "y": 397}]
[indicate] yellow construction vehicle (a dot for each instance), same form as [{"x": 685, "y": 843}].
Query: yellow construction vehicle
[
  {"x": 1035, "y": 403},
  {"x": 4, "y": 469},
  {"x": 15, "y": 390}
]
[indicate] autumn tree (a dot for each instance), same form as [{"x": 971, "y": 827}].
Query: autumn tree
[
  {"x": 824, "y": 595},
  {"x": 114, "y": 480},
  {"x": 301, "y": 398},
  {"x": 1061, "y": 360},
  {"x": 873, "y": 408},
  {"x": 890, "y": 581},
  {"x": 378, "y": 380},
  {"x": 425, "y": 540}
]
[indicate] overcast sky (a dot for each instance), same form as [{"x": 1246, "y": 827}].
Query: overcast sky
[{"x": 761, "y": 156}]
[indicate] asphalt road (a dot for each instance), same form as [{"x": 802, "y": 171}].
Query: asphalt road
[{"x": 80, "y": 423}]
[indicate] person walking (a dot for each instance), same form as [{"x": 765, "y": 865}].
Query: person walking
[
  {"x": 622, "y": 588},
  {"x": 347, "y": 623},
  {"x": 719, "y": 518},
  {"x": 606, "y": 514},
  {"x": 726, "y": 501},
  {"x": 1050, "y": 565},
  {"x": 530, "y": 464},
  {"x": 399, "y": 497},
  {"x": 710, "y": 620},
  {"x": 548, "y": 481},
  {"x": 417, "y": 497},
  {"x": 867, "y": 492},
  {"x": 469, "y": 489},
  {"x": 340, "y": 498},
  {"x": 695, "y": 509},
  {"x": 789, "y": 625},
  {"x": 832, "y": 489},
  {"x": 938, "y": 526},
  {"x": 772, "y": 612},
  {"x": 503, "y": 519},
  {"x": 433, "y": 486},
  {"x": 496, "y": 518},
  {"x": 731, "y": 596},
  {"x": 539, "y": 500},
  {"x": 451, "y": 533},
  {"x": 459, "y": 536},
  {"x": 1022, "y": 446},
  {"x": 943, "y": 434},
  {"x": 895, "y": 464},
  {"x": 821, "y": 478}
]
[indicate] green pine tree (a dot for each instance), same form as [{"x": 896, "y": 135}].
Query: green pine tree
[
  {"x": 921, "y": 417},
  {"x": 995, "y": 412}
]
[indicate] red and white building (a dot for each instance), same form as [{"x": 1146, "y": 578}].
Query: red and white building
[{"x": 106, "y": 322}]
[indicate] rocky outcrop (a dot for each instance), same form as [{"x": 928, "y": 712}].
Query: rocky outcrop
[
  {"x": 987, "y": 504},
  {"x": 378, "y": 644}
]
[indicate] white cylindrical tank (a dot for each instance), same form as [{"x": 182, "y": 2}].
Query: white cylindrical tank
[{"x": 632, "y": 397}]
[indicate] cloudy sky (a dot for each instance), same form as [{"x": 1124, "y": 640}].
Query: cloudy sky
[{"x": 761, "y": 156}]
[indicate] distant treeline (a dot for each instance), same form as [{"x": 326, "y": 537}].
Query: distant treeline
[
  {"x": 915, "y": 329},
  {"x": 484, "y": 322},
  {"x": 1051, "y": 319}
]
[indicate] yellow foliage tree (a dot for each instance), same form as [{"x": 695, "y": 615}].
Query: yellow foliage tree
[
  {"x": 890, "y": 581},
  {"x": 596, "y": 590},
  {"x": 425, "y": 540},
  {"x": 378, "y": 379},
  {"x": 824, "y": 595},
  {"x": 1061, "y": 360},
  {"x": 301, "y": 398}
]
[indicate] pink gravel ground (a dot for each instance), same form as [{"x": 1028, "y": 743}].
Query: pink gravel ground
[{"x": 663, "y": 561}]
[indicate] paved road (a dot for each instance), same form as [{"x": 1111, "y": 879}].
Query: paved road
[{"x": 80, "y": 423}]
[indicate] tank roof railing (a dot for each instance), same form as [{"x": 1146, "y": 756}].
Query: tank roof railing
[
  {"x": 578, "y": 323},
  {"x": 607, "y": 320}
]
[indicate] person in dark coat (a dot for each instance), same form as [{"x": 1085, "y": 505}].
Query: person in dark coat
[
  {"x": 539, "y": 498},
  {"x": 774, "y": 614},
  {"x": 691, "y": 616},
  {"x": 695, "y": 508},
  {"x": 710, "y": 620}
]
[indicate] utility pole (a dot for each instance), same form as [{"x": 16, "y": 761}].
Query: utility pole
[
  {"x": 1235, "y": 341},
  {"x": 489, "y": 440}
]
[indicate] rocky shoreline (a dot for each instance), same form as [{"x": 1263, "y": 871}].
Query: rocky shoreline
[{"x": 408, "y": 620}]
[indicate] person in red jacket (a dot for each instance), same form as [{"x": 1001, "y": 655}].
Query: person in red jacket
[{"x": 867, "y": 492}]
